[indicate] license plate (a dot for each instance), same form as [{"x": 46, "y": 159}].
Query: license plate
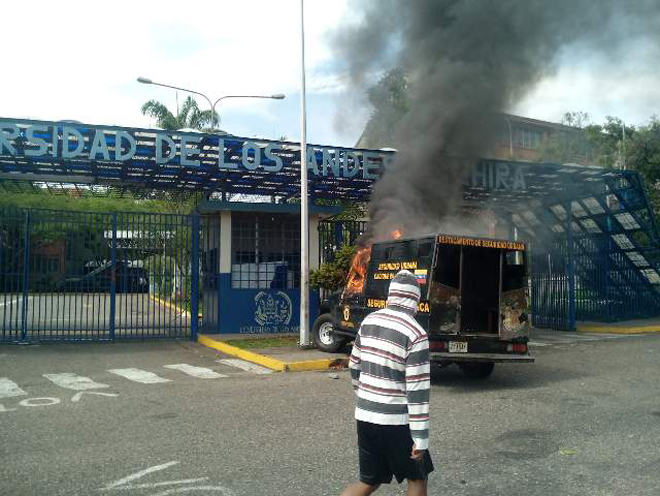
[{"x": 457, "y": 347}]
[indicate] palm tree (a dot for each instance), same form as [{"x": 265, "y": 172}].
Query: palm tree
[{"x": 189, "y": 116}]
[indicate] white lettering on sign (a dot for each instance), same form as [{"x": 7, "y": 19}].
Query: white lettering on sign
[
  {"x": 497, "y": 176},
  {"x": 110, "y": 144}
]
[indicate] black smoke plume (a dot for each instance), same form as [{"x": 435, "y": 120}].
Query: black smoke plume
[{"x": 468, "y": 60}]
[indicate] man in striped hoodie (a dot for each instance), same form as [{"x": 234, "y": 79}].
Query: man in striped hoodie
[{"x": 390, "y": 371}]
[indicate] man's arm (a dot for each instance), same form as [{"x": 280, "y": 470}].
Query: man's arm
[
  {"x": 355, "y": 363},
  {"x": 418, "y": 385}
]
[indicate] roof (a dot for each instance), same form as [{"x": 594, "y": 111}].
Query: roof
[{"x": 63, "y": 156}]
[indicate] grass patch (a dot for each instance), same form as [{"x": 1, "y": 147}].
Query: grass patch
[{"x": 277, "y": 342}]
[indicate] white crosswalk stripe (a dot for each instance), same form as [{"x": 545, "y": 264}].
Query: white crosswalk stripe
[
  {"x": 247, "y": 366},
  {"x": 200, "y": 372},
  {"x": 9, "y": 389},
  {"x": 138, "y": 375},
  {"x": 74, "y": 381}
]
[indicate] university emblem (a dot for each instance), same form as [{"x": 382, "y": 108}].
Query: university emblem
[{"x": 272, "y": 309}]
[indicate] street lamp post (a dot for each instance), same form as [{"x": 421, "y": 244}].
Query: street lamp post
[
  {"x": 304, "y": 339},
  {"x": 276, "y": 96}
]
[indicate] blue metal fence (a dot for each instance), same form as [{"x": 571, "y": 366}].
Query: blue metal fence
[
  {"x": 81, "y": 276},
  {"x": 595, "y": 254}
]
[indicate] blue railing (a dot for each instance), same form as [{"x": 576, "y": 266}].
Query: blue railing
[{"x": 83, "y": 276}]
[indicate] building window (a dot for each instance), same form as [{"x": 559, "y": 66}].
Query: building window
[
  {"x": 526, "y": 138},
  {"x": 265, "y": 251}
]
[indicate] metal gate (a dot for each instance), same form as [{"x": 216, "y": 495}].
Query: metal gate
[
  {"x": 77, "y": 276},
  {"x": 333, "y": 234}
]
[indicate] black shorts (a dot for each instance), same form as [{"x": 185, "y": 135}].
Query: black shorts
[{"x": 385, "y": 451}]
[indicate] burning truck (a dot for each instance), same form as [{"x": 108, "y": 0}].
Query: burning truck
[{"x": 474, "y": 303}]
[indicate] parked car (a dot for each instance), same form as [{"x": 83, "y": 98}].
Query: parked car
[{"x": 128, "y": 278}]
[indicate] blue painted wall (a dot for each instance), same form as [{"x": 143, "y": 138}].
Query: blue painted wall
[{"x": 260, "y": 311}]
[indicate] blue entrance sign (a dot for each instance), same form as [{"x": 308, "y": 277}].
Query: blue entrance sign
[
  {"x": 154, "y": 159},
  {"x": 181, "y": 160}
]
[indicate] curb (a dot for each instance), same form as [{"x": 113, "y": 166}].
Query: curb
[
  {"x": 171, "y": 306},
  {"x": 618, "y": 330},
  {"x": 271, "y": 363}
]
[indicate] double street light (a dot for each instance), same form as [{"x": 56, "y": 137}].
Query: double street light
[{"x": 276, "y": 96}]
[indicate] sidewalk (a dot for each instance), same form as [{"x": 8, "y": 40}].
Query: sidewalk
[
  {"x": 279, "y": 358},
  {"x": 639, "y": 326},
  {"x": 294, "y": 358}
]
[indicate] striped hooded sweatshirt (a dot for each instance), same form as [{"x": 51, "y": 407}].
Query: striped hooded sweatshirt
[{"x": 389, "y": 363}]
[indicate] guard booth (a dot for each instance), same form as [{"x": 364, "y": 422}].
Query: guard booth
[
  {"x": 251, "y": 279},
  {"x": 233, "y": 266}
]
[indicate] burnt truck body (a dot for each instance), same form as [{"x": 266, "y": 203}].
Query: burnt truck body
[{"x": 474, "y": 303}]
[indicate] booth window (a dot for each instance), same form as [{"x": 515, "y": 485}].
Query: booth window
[{"x": 265, "y": 251}]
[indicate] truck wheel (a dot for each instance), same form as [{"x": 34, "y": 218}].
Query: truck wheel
[
  {"x": 324, "y": 338},
  {"x": 477, "y": 370}
]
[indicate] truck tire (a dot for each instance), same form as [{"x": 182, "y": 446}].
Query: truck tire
[
  {"x": 324, "y": 338},
  {"x": 477, "y": 370}
]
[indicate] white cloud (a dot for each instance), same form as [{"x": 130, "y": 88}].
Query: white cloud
[
  {"x": 601, "y": 85},
  {"x": 79, "y": 60}
]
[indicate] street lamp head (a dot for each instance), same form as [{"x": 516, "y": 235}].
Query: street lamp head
[
  {"x": 278, "y": 96},
  {"x": 144, "y": 80}
]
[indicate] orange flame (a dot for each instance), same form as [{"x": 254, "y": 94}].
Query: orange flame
[
  {"x": 358, "y": 272},
  {"x": 396, "y": 234}
]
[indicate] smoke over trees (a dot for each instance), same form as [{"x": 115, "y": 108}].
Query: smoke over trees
[{"x": 467, "y": 60}]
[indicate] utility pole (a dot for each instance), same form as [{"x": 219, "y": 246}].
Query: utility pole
[{"x": 304, "y": 216}]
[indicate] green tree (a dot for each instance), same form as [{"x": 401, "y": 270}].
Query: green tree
[
  {"x": 333, "y": 275},
  {"x": 188, "y": 116},
  {"x": 572, "y": 144},
  {"x": 641, "y": 152},
  {"x": 389, "y": 98}
]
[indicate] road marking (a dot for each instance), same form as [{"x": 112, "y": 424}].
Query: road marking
[
  {"x": 77, "y": 396},
  {"x": 180, "y": 490},
  {"x": 40, "y": 402},
  {"x": 536, "y": 343},
  {"x": 73, "y": 381},
  {"x": 9, "y": 389},
  {"x": 247, "y": 366},
  {"x": 137, "y": 375},
  {"x": 141, "y": 473},
  {"x": 125, "y": 483},
  {"x": 200, "y": 372},
  {"x": 162, "y": 484}
]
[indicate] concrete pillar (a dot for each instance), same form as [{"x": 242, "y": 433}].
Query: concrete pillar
[{"x": 225, "y": 242}]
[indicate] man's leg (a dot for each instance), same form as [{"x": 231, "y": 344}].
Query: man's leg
[
  {"x": 417, "y": 487},
  {"x": 359, "y": 489}
]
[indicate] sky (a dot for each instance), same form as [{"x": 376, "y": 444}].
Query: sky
[{"x": 80, "y": 61}]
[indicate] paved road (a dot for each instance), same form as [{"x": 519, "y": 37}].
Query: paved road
[
  {"x": 584, "y": 419},
  {"x": 87, "y": 315}
]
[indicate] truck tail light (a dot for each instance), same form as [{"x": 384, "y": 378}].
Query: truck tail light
[
  {"x": 437, "y": 346},
  {"x": 517, "y": 348}
]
